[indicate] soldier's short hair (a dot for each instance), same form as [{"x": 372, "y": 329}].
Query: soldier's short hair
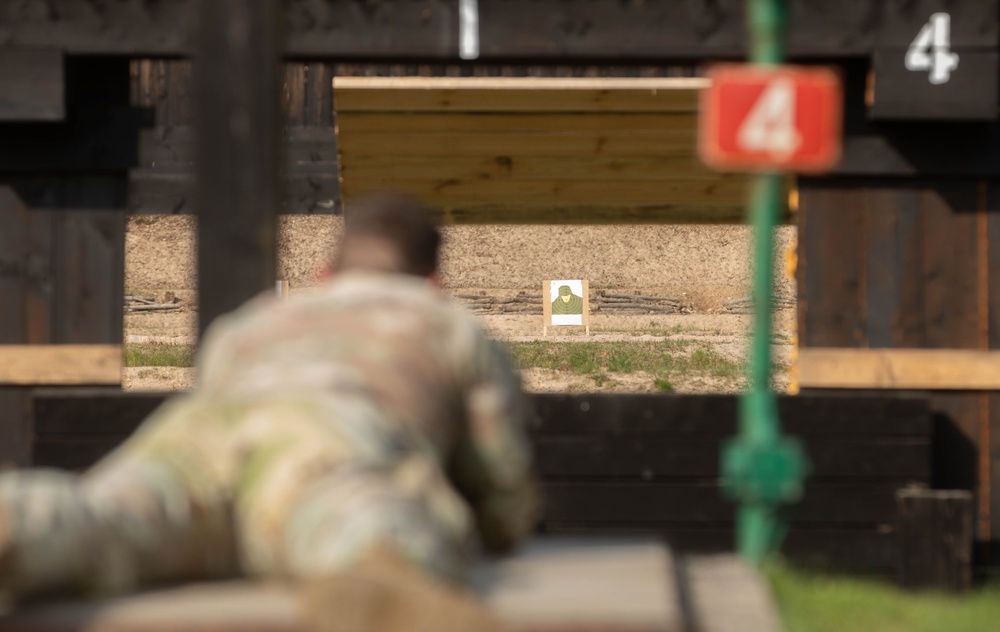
[{"x": 394, "y": 222}]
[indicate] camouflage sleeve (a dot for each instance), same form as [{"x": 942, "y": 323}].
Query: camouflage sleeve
[
  {"x": 215, "y": 360},
  {"x": 492, "y": 463}
]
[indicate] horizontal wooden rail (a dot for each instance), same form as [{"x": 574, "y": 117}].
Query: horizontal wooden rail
[
  {"x": 932, "y": 369},
  {"x": 517, "y": 94},
  {"x": 54, "y": 365}
]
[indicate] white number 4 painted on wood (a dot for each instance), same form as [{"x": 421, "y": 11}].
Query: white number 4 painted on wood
[
  {"x": 931, "y": 50},
  {"x": 770, "y": 125}
]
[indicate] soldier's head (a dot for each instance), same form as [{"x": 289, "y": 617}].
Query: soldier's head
[
  {"x": 565, "y": 293},
  {"x": 388, "y": 233}
]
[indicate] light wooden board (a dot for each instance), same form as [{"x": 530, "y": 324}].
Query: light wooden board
[
  {"x": 509, "y": 94},
  {"x": 933, "y": 369},
  {"x": 520, "y": 168},
  {"x": 724, "y": 190},
  {"x": 532, "y": 150},
  {"x": 434, "y": 122},
  {"x": 552, "y": 584},
  {"x": 38, "y": 365},
  {"x": 583, "y": 143},
  {"x": 584, "y": 213}
]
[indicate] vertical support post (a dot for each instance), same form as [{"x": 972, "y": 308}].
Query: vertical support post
[
  {"x": 24, "y": 269},
  {"x": 761, "y": 469},
  {"x": 237, "y": 89}
]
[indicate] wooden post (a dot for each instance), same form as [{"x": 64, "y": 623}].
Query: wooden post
[
  {"x": 935, "y": 536},
  {"x": 238, "y": 124},
  {"x": 19, "y": 269}
]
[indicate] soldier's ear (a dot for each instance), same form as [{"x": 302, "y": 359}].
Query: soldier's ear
[
  {"x": 325, "y": 272},
  {"x": 435, "y": 280}
]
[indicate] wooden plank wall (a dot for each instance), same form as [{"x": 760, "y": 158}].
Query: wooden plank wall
[
  {"x": 903, "y": 263},
  {"x": 62, "y": 271},
  {"x": 533, "y": 150},
  {"x": 62, "y": 281},
  {"x": 163, "y": 182},
  {"x": 642, "y": 464}
]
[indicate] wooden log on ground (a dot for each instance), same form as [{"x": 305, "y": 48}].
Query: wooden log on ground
[{"x": 936, "y": 535}]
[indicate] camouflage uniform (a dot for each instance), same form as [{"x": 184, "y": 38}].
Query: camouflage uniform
[{"x": 372, "y": 413}]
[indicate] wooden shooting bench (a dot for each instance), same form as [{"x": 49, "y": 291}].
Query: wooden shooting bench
[
  {"x": 898, "y": 246},
  {"x": 554, "y": 584}
]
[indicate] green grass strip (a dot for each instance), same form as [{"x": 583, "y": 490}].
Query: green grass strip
[
  {"x": 151, "y": 354},
  {"x": 811, "y": 602},
  {"x": 666, "y": 358}
]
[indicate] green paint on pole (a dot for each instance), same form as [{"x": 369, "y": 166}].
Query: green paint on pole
[{"x": 761, "y": 469}]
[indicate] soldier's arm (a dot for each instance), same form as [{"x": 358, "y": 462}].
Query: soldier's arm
[{"x": 492, "y": 463}]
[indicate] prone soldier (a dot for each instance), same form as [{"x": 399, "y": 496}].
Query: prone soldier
[{"x": 369, "y": 427}]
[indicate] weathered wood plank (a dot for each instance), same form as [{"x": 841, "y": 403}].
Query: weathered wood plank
[
  {"x": 71, "y": 454},
  {"x": 951, "y": 318},
  {"x": 833, "y": 216},
  {"x": 169, "y": 191},
  {"x": 914, "y": 369},
  {"x": 437, "y": 122},
  {"x": 992, "y": 282},
  {"x": 645, "y": 457},
  {"x": 869, "y": 550},
  {"x": 238, "y": 156},
  {"x": 539, "y": 588},
  {"x": 25, "y": 285},
  {"x": 31, "y": 365},
  {"x": 31, "y": 85},
  {"x": 902, "y": 94},
  {"x": 96, "y": 139},
  {"x": 584, "y": 213},
  {"x": 517, "y": 94},
  {"x": 317, "y": 108},
  {"x": 679, "y": 143},
  {"x": 893, "y": 305},
  {"x": 907, "y": 149},
  {"x": 94, "y": 412},
  {"x": 88, "y": 292},
  {"x": 450, "y": 192},
  {"x": 79, "y": 191},
  {"x": 427, "y": 29},
  {"x": 691, "y": 503},
  {"x": 936, "y": 531},
  {"x": 637, "y": 169},
  {"x": 174, "y": 147},
  {"x": 715, "y": 415}
]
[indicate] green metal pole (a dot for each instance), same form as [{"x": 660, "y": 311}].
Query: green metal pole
[
  {"x": 761, "y": 469},
  {"x": 758, "y": 522}
]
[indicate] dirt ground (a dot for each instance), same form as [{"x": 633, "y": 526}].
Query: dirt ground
[{"x": 703, "y": 265}]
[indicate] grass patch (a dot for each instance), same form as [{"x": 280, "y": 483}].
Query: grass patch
[
  {"x": 663, "y": 384},
  {"x": 663, "y": 358},
  {"x": 816, "y": 603},
  {"x": 151, "y": 354}
]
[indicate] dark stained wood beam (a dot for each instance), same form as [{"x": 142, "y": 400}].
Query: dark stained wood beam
[
  {"x": 31, "y": 85},
  {"x": 238, "y": 151},
  {"x": 164, "y": 182},
  {"x": 509, "y": 29}
]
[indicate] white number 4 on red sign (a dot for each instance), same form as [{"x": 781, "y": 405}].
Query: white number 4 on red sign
[
  {"x": 770, "y": 126},
  {"x": 931, "y": 50}
]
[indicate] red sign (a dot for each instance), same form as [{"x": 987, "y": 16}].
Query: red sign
[{"x": 780, "y": 118}]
